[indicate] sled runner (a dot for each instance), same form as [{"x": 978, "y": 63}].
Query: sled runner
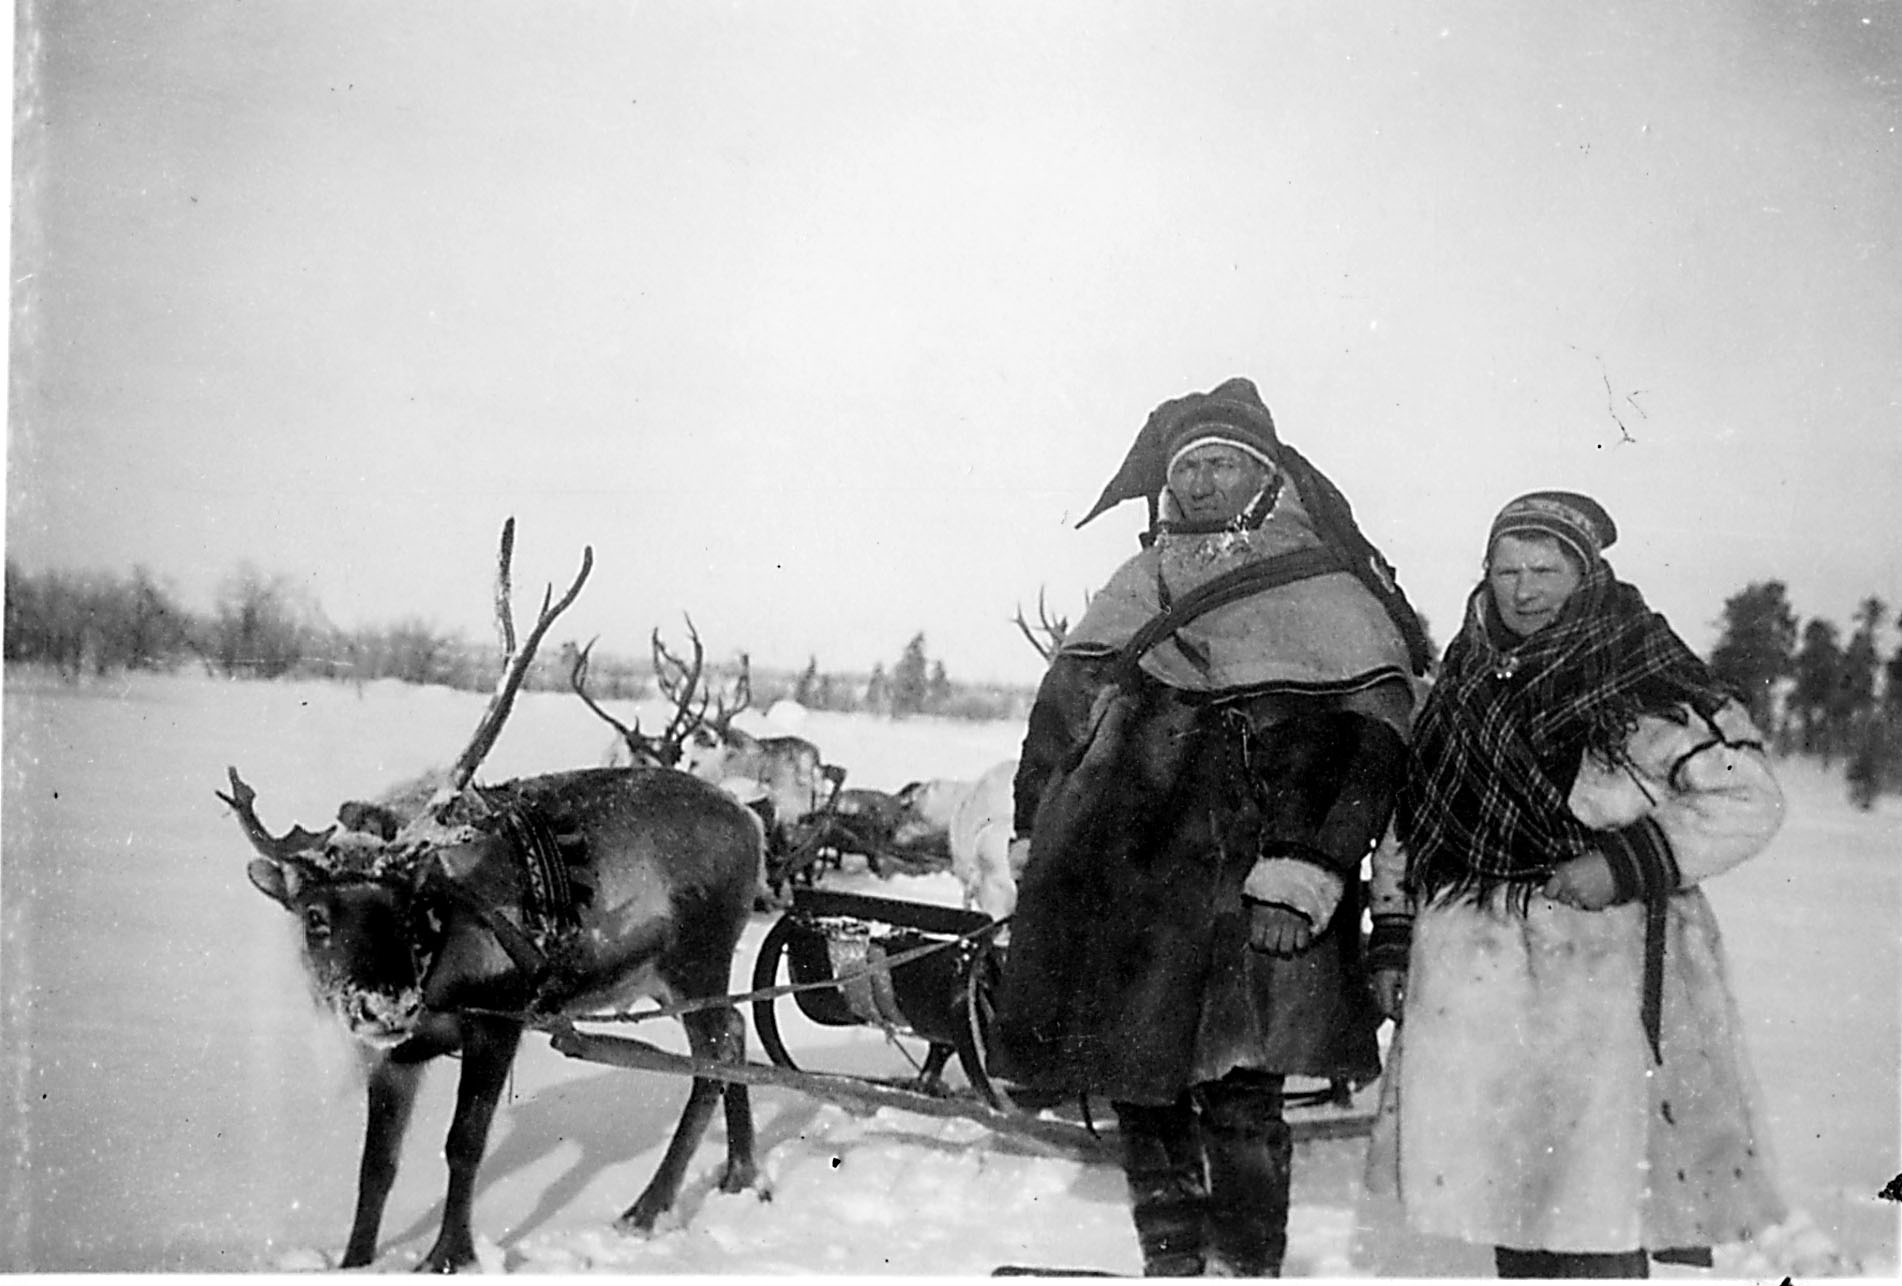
[{"x": 924, "y": 975}]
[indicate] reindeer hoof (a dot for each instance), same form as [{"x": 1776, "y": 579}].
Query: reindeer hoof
[
  {"x": 740, "y": 1178},
  {"x": 442, "y": 1264},
  {"x": 447, "y": 1259},
  {"x": 638, "y": 1219}
]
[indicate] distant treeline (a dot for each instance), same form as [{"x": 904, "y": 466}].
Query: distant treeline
[
  {"x": 1810, "y": 690},
  {"x": 1813, "y": 693},
  {"x": 264, "y": 627}
]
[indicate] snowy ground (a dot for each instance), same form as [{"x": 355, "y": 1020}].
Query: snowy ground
[{"x": 173, "y": 1102}]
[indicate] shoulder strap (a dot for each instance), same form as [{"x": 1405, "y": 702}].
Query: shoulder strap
[{"x": 1250, "y": 578}]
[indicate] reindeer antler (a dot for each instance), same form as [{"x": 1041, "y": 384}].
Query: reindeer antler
[
  {"x": 578, "y": 680},
  {"x": 514, "y": 665},
  {"x": 664, "y": 749},
  {"x": 679, "y": 683},
  {"x": 297, "y": 840},
  {"x": 722, "y": 721},
  {"x": 1053, "y": 631}
]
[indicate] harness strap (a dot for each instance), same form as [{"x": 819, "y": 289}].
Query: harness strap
[
  {"x": 550, "y": 906},
  {"x": 521, "y": 949}
]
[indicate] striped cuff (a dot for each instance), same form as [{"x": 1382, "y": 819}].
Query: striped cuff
[
  {"x": 1283, "y": 876},
  {"x": 1279, "y": 906},
  {"x": 1642, "y": 866},
  {"x": 1390, "y": 942}
]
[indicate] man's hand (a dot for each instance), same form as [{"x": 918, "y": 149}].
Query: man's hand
[
  {"x": 1584, "y": 883},
  {"x": 1390, "y": 992},
  {"x": 1278, "y": 930}
]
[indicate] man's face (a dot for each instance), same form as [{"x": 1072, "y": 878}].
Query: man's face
[
  {"x": 1531, "y": 578},
  {"x": 1214, "y": 482}
]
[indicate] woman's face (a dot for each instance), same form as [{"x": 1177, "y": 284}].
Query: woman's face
[
  {"x": 1214, "y": 482},
  {"x": 1531, "y": 578}
]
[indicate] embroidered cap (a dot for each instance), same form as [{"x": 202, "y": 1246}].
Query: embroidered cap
[
  {"x": 1575, "y": 520},
  {"x": 1218, "y": 434}
]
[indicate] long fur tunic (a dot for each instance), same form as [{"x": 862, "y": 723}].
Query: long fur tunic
[
  {"x": 1128, "y": 972},
  {"x": 1522, "y": 1106}
]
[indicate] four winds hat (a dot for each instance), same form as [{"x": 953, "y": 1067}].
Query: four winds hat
[{"x": 1231, "y": 412}]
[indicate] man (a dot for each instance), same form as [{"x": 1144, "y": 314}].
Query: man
[{"x": 1211, "y": 755}]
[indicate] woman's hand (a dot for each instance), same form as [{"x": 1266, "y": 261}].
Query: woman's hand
[
  {"x": 1017, "y": 854},
  {"x": 1278, "y": 930},
  {"x": 1390, "y": 992},
  {"x": 1584, "y": 883}
]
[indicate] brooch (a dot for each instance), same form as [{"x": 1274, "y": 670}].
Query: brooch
[{"x": 1506, "y": 668}]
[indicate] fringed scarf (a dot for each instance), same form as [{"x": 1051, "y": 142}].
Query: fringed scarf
[{"x": 1496, "y": 747}]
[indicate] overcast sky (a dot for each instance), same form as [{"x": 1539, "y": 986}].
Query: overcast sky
[{"x": 826, "y": 321}]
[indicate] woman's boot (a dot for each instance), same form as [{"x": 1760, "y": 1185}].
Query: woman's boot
[
  {"x": 1558, "y": 1263},
  {"x": 1250, "y": 1159},
  {"x": 1168, "y": 1194}
]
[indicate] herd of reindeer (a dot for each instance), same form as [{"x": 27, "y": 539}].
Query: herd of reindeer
[
  {"x": 813, "y": 821},
  {"x": 449, "y": 919}
]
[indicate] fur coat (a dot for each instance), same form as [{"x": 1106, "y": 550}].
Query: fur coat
[
  {"x": 1128, "y": 972},
  {"x": 1522, "y": 1105}
]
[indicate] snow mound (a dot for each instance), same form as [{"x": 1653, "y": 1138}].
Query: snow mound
[{"x": 1794, "y": 1249}]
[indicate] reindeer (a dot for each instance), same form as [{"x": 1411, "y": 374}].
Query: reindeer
[
  {"x": 783, "y": 779},
  {"x": 790, "y": 769},
  {"x": 544, "y": 897},
  {"x": 982, "y": 826},
  {"x": 922, "y": 829},
  {"x": 633, "y": 745},
  {"x": 974, "y": 820},
  {"x": 669, "y": 748}
]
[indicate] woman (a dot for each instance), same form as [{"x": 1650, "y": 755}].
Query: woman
[
  {"x": 1211, "y": 755},
  {"x": 1573, "y": 1087}
]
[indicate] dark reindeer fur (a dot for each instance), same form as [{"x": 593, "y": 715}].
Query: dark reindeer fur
[
  {"x": 441, "y": 919},
  {"x": 412, "y": 948}
]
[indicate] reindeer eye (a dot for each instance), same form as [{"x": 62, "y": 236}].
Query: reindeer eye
[{"x": 316, "y": 922}]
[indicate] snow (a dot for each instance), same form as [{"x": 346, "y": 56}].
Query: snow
[{"x": 174, "y": 1102}]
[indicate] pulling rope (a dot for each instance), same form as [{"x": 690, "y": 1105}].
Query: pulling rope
[{"x": 545, "y": 1019}]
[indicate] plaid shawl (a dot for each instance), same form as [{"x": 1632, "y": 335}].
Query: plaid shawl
[{"x": 1500, "y": 738}]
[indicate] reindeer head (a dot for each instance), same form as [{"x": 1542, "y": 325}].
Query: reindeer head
[
  {"x": 370, "y": 932},
  {"x": 702, "y": 742},
  {"x": 679, "y": 682},
  {"x": 366, "y": 942}
]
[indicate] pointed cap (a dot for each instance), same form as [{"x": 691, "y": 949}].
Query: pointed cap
[{"x": 1232, "y": 411}]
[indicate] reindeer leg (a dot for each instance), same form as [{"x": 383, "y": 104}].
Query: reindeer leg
[
  {"x": 392, "y": 1093},
  {"x": 711, "y": 1034},
  {"x": 488, "y": 1050},
  {"x": 741, "y": 1172}
]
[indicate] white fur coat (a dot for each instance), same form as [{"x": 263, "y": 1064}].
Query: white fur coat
[{"x": 1521, "y": 1105}]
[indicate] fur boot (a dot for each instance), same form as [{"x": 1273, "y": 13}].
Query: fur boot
[
  {"x": 1168, "y": 1191},
  {"x": 1250, "y": 1158}
]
